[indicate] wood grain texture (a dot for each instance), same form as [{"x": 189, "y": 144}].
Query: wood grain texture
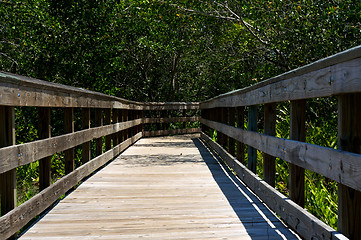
[
  {"x": 349, "y": 139},
  {"x": 171, "y": 132},
  {"x": 299, "y": 219},
  {"x": 18, "y": 155},
  {"x": 43, "y": 133},
  {"x": 340, "y": 166},
  {"x": 161, "y": 188},
  {"x": 20, "y": 216},
  {"x": 269, "y": 167},
  {"x": 307, "y": 82}
]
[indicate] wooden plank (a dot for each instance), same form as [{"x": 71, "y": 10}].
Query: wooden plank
[
  {"x": 269, "y": 167},
  {"x": 20, "y": 216},
  {"x": 170, "y": 120},
  {"x": 43, "y": 133},
  {"x": 8, "y": 178},
  {"x": 24, "y": 91},
  {"x": 324, "y": 80},
  {"x": 349, "y": 139},
  {"x": 69, "y": 128},
  {"x": 158, "y": 106},
  {"x": 340, "y": 166},
  {"x": 304, "y": 223},
  {"x": 240, "y": 124},
  {"x": 98, "y": 122},
  {"x": 298, "y": 133},
  {"x": 86, "y": 150},
  {"x": 171, "y": 132},
  {"x": 252, "y": 126},
  {"x": 18, "y": 155},
  {"x": 107, "y": 121},
  {"x": 231, "y": 122}
]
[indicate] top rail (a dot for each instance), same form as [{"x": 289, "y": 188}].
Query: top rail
[{"x": 335, "y": 75}]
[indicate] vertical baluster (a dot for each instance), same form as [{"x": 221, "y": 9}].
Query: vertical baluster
[
  {"x": 69, "y": 128},
  {"x": 297, "y": 132},
  {"x": 115, "y": 120},
  {"x": 44, "y": 132},
  {"x": 7, "y": 179},
  {"x": 240, "y": 124},
  {"x": 269, "y": 129},
  {"x": 252, "y": 126},
  {"x": 231, "y": 122},
  {"x": 107, "y": 121},
  {"x": 85, "y": 117},
  {"x": 349, "y": 139},
  {"x": 185, "y": 123},
  {"x": 98, "y": 123}
]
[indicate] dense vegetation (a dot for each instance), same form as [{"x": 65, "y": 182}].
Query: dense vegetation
[{"x": 180, "y": 50}]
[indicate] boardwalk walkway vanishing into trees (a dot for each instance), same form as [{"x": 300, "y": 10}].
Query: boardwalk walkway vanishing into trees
[
  {"x": 161, "y": 188},
  {"x": 181, "y": 187}
]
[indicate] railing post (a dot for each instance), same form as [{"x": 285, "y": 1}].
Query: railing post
[
  {"x": 7, "y": 179},
  {"x": 252, "y": 126},
  {"x": 98, "y": 123},
  {"x": 349, "y": 139},
  {"x": 185, "y": 115},
  {"x": 223, "y": 118},
  {"x": 44, "y": 132},
  {"x": 240, "y": 124},
  {"x": 115, "y": 120},
  {"x": 269, "y": 168},
  {"x": 231, "y": 122},
  {"x": 69, "y": 128},
  {"x": 85, "y": 117},
  {"x": 297, "y": 132},
  {"x": 121, "y": 119},
  {"x": 107, "y": 121}
]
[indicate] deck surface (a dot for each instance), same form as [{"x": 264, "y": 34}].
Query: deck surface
[{"x": 161, "y": 188}]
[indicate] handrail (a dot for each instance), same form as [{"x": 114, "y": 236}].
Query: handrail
[
  {"x": 338, "y": 75},
  {"x": 117, "y": 124}
]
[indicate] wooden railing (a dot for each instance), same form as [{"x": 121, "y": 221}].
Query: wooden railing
[
  {"x": 339, "y": 75},
  {"x": 109, "y": 125}
]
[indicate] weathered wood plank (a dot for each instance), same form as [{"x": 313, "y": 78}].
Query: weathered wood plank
[
  {"x": 269, "y": 167},
  {"x": 170, "y": 120},
  {"x": 171, "y": 132},
  {"x": 298, "y": 133},
  {"x": 252, "y": 126},
  {"x": 43, "y": 133},
  {"x": 18, "y": 155},
  {"x": 69, "y": 128},
  {"x": 7, "y": 178},
  {"x": 86, "y": 150},
  {"x": 349, "y": 139},
  {"x": 20, "y": 216},
  {"x": 304, "y": 223},
  {"x": 24, "y": 91},
  {"x": 323, "y": 78},
  {"x": 340, "y": 166}
]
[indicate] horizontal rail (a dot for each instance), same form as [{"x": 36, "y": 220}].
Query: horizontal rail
[
  {"x": 170, "y": 106},
  {"x": 171, "y": 132},
  {"x": 18, "y": 155},
  {"x": 295, "y": 216},
  {"x": 20, "y": 216},
  {"x": 338, "y": 74},
  {"x": 171, "y": 120},
  {"x": 340, "y": 166}
]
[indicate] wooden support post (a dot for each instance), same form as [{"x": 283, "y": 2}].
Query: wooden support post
[
  {"x": 69, "y": 128},
  {"x": 85, "y": 118},
  {"x": 164, "y": 115},
  {"x": 142, "y": 125},
  {"x": 185, "y": 115},
  {"x": 240, "y": 124},
  {"x": 107, "y": 121},
  {"x": 7, "y": 179},
  {"x": 217, "y": 118},
  {"x": 121, "y": 119},
  {"x": 44, "y": 132},
  {"x": 115, "y": 119},
  {"x": 349, "y": 139},
  {"x": 126, "y": 118},
  {"x": 98, "y": 123},
  {"x": 269, "y": 167},
  {"x": 231, "y": 122},
  {"x": 298, "y": 133},
  {"x": 223, "y": 119},
  {"x": 252, "y": 126}
]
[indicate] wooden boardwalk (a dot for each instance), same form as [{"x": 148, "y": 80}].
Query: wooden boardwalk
[{"x": 161, "y": 188}]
